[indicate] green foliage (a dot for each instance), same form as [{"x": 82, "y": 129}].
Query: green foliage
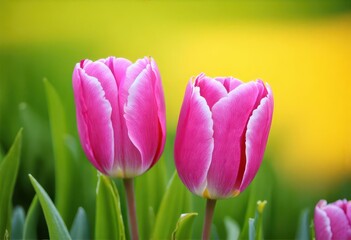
[
  {"x": 18, "y": 218},
  {"x": 56, "y": 226},
  {"x": 8, "y": 172},
  {"x": 303, "y": 231},
  {"x": 184, "y": 226},
  {"x": 109, "y": 221},
  {"x": 174, "y": 202},
  {"x": 80, "y": 227},
  {"x": 31, "y": 222},
  {"x": 65, "y": 187},
  {"x": 149, "y": 190}
]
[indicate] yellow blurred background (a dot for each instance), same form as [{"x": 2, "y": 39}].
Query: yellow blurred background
[{"x": 305, "y": 57}]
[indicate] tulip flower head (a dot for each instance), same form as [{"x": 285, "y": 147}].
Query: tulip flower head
[
  {"x": 120, "y": 113},
  {"x": 332, "y": 221},
  {"x": 222, "y": 134}
]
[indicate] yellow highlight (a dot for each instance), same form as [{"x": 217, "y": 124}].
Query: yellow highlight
[
  {"x": 206, "y": 194},
  {"x": 261, "y": 205}
]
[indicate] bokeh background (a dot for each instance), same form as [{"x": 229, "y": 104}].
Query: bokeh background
[{"x": 301, "y": 48}]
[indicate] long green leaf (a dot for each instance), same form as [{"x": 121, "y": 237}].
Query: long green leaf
[
  {"x": 64, "y": 164},
  {"x": 175, "y": 202},
  {"x": 8, "y": 172},
  {"x": 80, "y": 226},
  {"x": 31, "y": 222},
  {"x": 184, "y": 226},
  {"x": 303, "y": 232},
  {"x": 109, "y": 221},
  {"x": 56, "y": 226},
  {"x": 149, "y": 189},
  {"x": 18, "y": 217}
]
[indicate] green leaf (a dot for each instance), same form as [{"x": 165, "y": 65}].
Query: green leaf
[
  {"x": 184, "y": 226},
  {"x": 149, "y": 189},
  {"x": 56, "y": 226},
  {"x": 303, "y": 232},
  {"x": 31, "y": 222},
  {"x": 18, "y": 217},
  {"x": 64, "y": 167},
  {"x": 80, "y": 226},
  {"x": 109, "y": 221},
  {"x": 233, "y": 230},
  {"x": 8, "y": 172},
  {"x": 175, "y": 201}
]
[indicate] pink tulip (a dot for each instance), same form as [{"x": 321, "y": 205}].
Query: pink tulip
[
  {"x": 120, "y": 114},
  {"x": 222, "y": 134},
  {"x": 333, "y": 221}
]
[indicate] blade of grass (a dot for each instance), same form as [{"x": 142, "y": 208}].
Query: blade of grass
[
  {"x": 56, "y": 226},
  {"x": 8, "y": 172}
]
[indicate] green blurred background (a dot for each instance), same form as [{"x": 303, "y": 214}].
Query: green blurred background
[{"x": 301, "y": 48}]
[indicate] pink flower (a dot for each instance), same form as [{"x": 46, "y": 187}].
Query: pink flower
[
  {"x": 222, "y": 134},
  {"x": 333, "y": 221},
  {"x": 120, "y": 114}
]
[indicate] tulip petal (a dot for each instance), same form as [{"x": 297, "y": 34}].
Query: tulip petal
[
  {"x": 194, "y": 140},
  {"x": 230, "y": 116},
  {"x": 339, "y": 224},
  {"x": 322, "y": 222},
  {"x": 141, "y": 114},
  {"x": 210, "y": 89},
  {"x": 160, "y": 100},
  {"x": 256, "y": 137},
  {"x": 229, "y": 83},
  {"x": 93, "y": 117},
  {"x": 132, "y": 73},
  {"x": 118, "y": 67}
]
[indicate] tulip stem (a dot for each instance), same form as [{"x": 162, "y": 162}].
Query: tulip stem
[
  {"x": 129, "y": 188},
  {"x": 210, "y": 206}
]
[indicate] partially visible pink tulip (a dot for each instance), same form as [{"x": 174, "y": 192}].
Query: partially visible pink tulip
[
  {"x": 222, "y": 134},
  {"x": 120, "y": 114},
  {"x": 333, "y": 221}
]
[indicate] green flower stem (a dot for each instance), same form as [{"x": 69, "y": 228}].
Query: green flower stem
[
  {"x": 210, "y": 206},
  {"x": 129, "y": 187}
]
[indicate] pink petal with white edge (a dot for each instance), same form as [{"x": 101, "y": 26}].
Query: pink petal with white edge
[
  {"x": 118, "y": 67},
  {"x": 256, "y": 138},
  {"x": 339, "y": 224},
  {"x": 141, "y": 114},
  {"x": 194, "y": 140},
  {"x": 210, "y": 89},
  {"x": 93, "y": 117},
  {"x": 322, "y": 222},
  {"x": 230, "y": 116},
  {"x": 161, "y": 107},
  {"x": 132, "y": 73}
]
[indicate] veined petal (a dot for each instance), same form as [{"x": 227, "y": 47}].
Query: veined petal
[
  {"x": 141, "y": 114},
  {"x": 118, "y": 67},
  {"x": 322, "y": 222},
  {"x": 211, "y": 90},
  {"x": 230, "y": 116},
  {"x": 256, "y": 137},
  {"x": 94, "y": 122},
  {"x": 194, "y": 140}
]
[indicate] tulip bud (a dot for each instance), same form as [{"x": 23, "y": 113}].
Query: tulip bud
[
  {"x": 332, "y": 221},
  {"x": 120, "y": 113},
  {"x": 222, "y": 134}
]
